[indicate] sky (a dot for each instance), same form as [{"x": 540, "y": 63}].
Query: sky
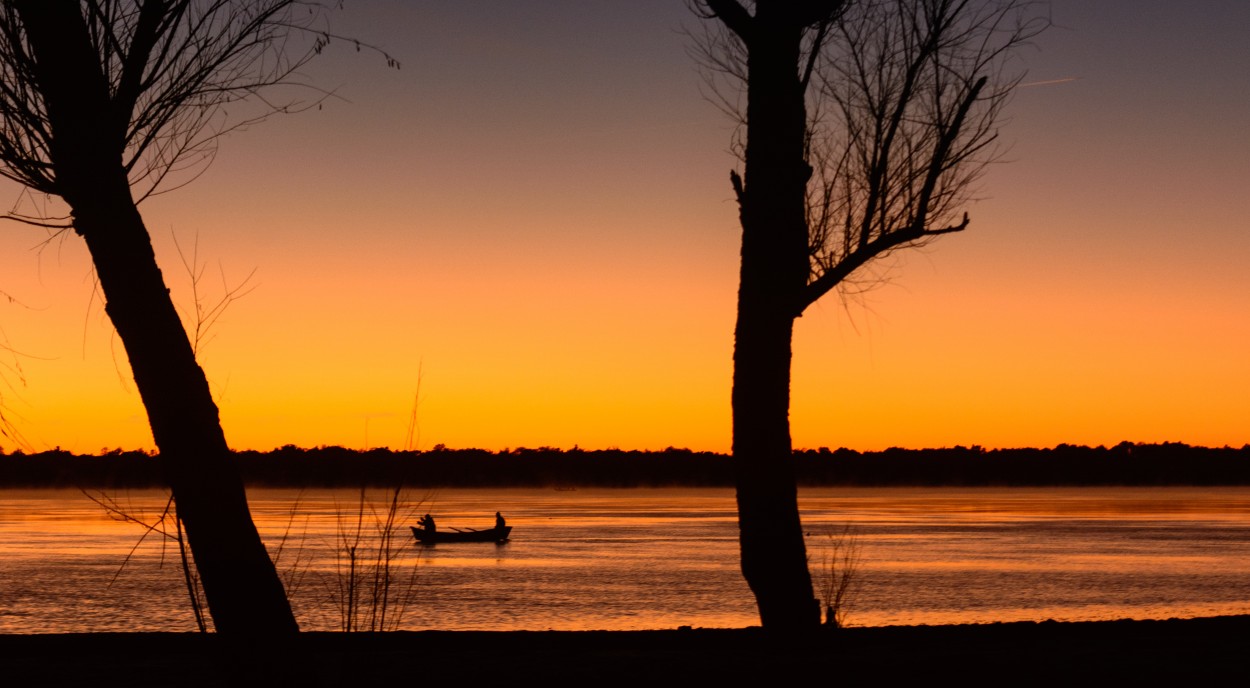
[{"x": 526, "y": 236}]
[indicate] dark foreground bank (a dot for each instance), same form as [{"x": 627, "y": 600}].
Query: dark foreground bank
[{"x": 1190, "y": 652}]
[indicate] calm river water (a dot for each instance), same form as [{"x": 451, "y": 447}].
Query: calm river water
[{"x": 658, "y": 558}]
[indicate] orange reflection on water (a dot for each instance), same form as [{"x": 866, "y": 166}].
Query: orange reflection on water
[{"x": 622, "y": 559}]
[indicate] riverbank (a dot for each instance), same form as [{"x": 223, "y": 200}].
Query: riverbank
[{"x": 1196, "y": 651}]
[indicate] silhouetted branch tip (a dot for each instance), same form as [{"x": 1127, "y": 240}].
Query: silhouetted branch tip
[
  {"x": 953, "y": 228},
  {"x": 736, "y": 180}
]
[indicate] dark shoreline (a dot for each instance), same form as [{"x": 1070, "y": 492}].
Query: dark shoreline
[
  {"x": 1195, "y": 651},
  {"x": 1124, "y": 464}
]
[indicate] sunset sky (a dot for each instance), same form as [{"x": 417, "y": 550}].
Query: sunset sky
[{"x": 531, "y": 223}]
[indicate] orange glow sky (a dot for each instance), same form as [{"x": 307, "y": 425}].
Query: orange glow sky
[{"x": 532, "y": 222}]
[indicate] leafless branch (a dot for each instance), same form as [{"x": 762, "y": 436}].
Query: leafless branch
[
  {"x": 160, "y": 526},
  {"x": 913, "y": 92},
  {"x": 206, "y": 316},
  {"x": 172, "y": 67}
]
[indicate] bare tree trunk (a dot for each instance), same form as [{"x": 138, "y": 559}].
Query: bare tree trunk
[
  {"x": 774, "y": 273},
  {"x": 774, "y": 556},
  {"x": 243, "y": 591},
  {"x": 242, "y": 588}
]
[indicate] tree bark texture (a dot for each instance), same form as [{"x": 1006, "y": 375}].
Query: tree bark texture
[
  {"x": 773, "y": 275},
  {"x": 241, "y": 586}
]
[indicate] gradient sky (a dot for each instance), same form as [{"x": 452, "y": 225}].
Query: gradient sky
[{"x": 531, "y": 223}]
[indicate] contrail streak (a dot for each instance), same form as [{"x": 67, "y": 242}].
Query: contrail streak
[{"x": 1049, "y": 82}]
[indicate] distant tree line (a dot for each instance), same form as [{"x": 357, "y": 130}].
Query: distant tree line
[{"x": 289, "y": 466}]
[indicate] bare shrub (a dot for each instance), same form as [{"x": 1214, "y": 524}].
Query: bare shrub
[
  {"x": 838, "y": 578},
  {"x": 370, "y": 586}
]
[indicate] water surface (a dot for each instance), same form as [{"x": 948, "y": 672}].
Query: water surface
[{"x": 656, "y": 558}]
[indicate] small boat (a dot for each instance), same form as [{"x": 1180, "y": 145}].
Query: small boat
[{"x": 427, "y": 537}]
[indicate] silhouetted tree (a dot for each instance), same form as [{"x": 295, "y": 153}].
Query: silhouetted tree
[
  {"x": 867, "y": 123},
  {"x": 100, "y": 100}
]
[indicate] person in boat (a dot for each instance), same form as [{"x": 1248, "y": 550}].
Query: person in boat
[
  {"x": 499, "y": 523},
  {"x": 427, "y": 523}
]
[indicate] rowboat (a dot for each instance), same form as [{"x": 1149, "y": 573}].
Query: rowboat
[{"x": 468, "y": 535}]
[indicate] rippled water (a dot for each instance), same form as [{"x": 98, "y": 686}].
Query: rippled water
[{"x": 639, "y": 559}]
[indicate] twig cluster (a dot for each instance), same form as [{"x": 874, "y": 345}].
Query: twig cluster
[
  {"x": 370, "y": 587},
  {"x": 838, "y": 578}
]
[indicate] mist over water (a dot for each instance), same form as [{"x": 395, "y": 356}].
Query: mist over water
[{"x": 659, "y": 558}]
